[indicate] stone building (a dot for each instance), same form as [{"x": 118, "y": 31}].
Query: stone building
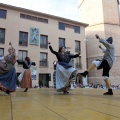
[{"x": 103, "y": 19}]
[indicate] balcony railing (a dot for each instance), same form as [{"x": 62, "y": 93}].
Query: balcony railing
[{"x": 43, "y": 63}]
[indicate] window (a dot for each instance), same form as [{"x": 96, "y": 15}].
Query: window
[
  {"x": 78, "y": 62},
  {"x": 28, "y": 17},
  {"x": 76, "y": 29},
  {"x": 43, "y": 59},
  {"x": 44, "y": 41},
  {"x": 3, "y": 13},
  {"x": 22, "y": 54},
  {"x": 23, "y": 38},
  {"x": 1, "y": 52},
  {"x": 34, "y": 18},
  {"x": 77, "y": 46},
  {"x": 40, "y": 19},
  {"x": 2, "y": 35},
  {"x": 61, "y": 26},
  {"x": 45, "y": 20},
  {"x": 61, "y": 42},
  {"x": 22, "y": 15}
]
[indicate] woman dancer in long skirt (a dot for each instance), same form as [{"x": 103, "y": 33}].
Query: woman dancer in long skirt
[
  {"x": 26, "y": 80},
  {"x": 8, "y": 72},
  {"x": 64, "y": 71}
]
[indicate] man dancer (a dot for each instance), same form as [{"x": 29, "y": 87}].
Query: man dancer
[{"x": 105, "y": 64}]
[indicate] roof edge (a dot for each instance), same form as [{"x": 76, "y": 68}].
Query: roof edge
[{"x": 43, "y": 14}]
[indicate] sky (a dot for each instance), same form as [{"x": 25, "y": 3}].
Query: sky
[{"x": 62, "y": 8}]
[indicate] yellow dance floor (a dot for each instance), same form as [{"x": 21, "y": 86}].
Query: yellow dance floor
[{"x": 47, "y": 104}]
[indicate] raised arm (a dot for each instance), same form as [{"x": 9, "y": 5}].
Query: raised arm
[
  {"x": 104, "y": 42},
  {"x": 51, "y": 49}
]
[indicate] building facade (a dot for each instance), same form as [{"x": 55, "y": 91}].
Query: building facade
[
  {"x": 29, "y": 31},
  {"x": 103, "y": 19}
]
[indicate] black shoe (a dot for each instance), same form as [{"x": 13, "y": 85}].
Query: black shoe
[
  {"x": 65, "y": 92},
  {"x": 26, "y": 90},
  {"x": 7, "y": 92},
  {"x": 109, "y": 92},
  {"x": 84, "y": 74}
]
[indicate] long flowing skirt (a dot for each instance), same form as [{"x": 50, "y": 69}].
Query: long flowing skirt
[
  {"x": 26, "y": 80},
  {"x": 63, "y": 76},
  {"x": 5, "y": 67},
  {"x": 8, "y": 80}
]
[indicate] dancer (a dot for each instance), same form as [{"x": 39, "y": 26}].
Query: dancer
[
  {"x": 8, "y": 72},
  {"x": 8, "y": 61},
  {"x": 105, "y": 64},
  {"x": 26, "y": 80},
  {"x": 64, "y": 71}
]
